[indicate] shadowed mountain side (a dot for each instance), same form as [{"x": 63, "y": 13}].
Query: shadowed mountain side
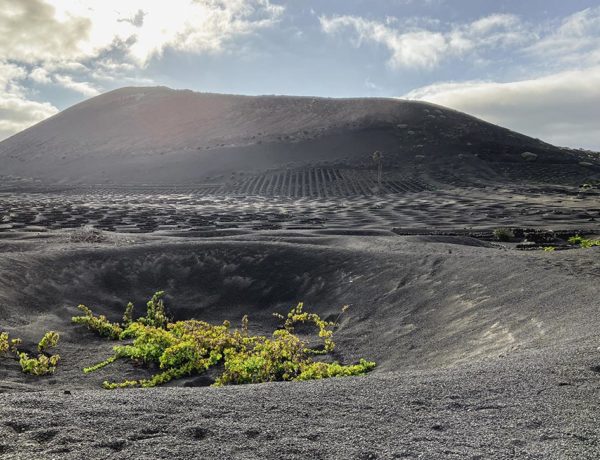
[{"x": 159, "y": 135}]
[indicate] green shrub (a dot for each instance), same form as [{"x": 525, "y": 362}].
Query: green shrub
[
  {"x": 296, "y": 315},
  {"x": 50, "y": 340},
  {"x": 44, "y": 363},
  {"x": 504, "y": 234},
  {"x": 4, "y": 344},
  {"x": 192, "y": 347},
  {"x": 8, "y": 344},
  {"x": 155, "y": 313},
  {"x": 98, "y": 324},
  {"x": 583, "y": 242},
  {"x": 128, "y": 315},
  {"x": 321, "y": 370}
]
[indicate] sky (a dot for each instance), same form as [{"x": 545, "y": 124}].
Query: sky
[{"x": 529, "y": 65}]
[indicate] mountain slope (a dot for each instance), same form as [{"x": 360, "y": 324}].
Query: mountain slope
[{"x": 159, "y": 135}]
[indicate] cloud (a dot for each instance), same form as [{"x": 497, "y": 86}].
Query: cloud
[
  {"x": 35, "y": 31},
  {"x": 30, "y": 32},
  {"x": 84, "y": 88},
  {"x": 17, "y": 111},
  {"x": 575, "y": 41},
  {"x": 562, "y": 108},
  {"x": 417, "y": 47},
  {"x": 144, "y": 29},
  {"x": 81, "y": 45},
  {"x": 40, "y": 75},
  {"x": 49, "y": 32},
  {"x": 421, "y": 48}
]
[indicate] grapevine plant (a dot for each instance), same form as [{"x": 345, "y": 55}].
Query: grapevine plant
[
  {"x": 191, "y": 347},
  {"x": 44, "y": 364},
  {"x": 583, "y": 242}
]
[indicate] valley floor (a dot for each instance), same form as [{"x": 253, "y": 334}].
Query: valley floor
[
  {"x": 484, "y": 351},
  {"x": 537, "y": 405}
]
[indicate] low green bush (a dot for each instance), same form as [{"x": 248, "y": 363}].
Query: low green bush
[
  {"x": 504, "y": 234},
  {"x": 583, "y": 242},
  {"x": 191, "y": 347},
  {"x": 7, "y": 344},
  {"x": 44, "y": 363},
  {"x": 41, "y": 365},
  {"x": 155, "y": 311},
  {"x": 99, "y": 324},
  {"x": 50, "y": 340}
]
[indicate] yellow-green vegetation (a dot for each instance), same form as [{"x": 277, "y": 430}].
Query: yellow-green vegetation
[
  {"x": 7, "y": 344},
  {"x": 128, "y": 315},
  {"x": 50, "y": 340},
  {"x": 3, "y": 342},
  {"x": 549, "y": 248},
  {"x": 155, "y": 311},
  {"x": 190, "y": 347},
  {"x": 297, "y": 315},
  {"x": 44, "y": 363},
  {"x": 583, "y": 242},
  {"x": 98, "y": 324}
]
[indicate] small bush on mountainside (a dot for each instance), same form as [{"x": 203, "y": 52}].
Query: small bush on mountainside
[
  {"x": 187, "y": 347},
  {"x": 87, "y": 235},
  {"x": 503, "y": 234}
]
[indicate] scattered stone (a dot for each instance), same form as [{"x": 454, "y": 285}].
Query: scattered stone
[{"x": 529, "y": 156}]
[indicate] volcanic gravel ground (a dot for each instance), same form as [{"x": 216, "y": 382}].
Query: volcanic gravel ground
[
  {"x": 172, "y": 211},
  {"x": 482, "y": 351}
]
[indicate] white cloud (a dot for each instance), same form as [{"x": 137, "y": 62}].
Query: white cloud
[
  {"x": 575, "y": 41},
  {"x": 563, "y": 108},
  {"x": 17, "y": 111},
  {"x": 40, "y": 75},
  {"x": 30, "y": 32},
  {"x": 142, "y": 28},
  {"x": 415, "y": 47},
  {"x": 419, "y": 48},
  {"x": 65, "y": 35},
  {"x": 84, "y": 88},
  {"x": 81, "y": 44}
]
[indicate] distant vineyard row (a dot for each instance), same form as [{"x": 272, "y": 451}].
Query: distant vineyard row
[
  {"x": 300, "y": 183},
  {"x": 321, "y": 182}
]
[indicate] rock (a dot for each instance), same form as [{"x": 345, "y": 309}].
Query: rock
[{"x": 529, "y": 156}]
